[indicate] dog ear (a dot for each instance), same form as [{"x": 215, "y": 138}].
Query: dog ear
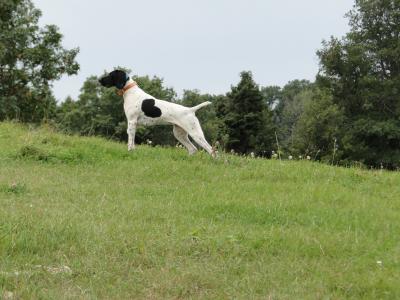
[{"x": 119, "y": 78}]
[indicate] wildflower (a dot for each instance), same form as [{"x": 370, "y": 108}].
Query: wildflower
[
  {"x": 379, "y": 262},
  {"x": 308, "y": 157},
  {"x": 290, "y": 157},
  {"x": 252, "y": 155},
  {"x": 149, "y": 142},
  {"x": 232, "y": 151},
  {"x": 300, "y": 156}
]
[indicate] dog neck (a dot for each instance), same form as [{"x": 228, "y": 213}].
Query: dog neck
[{"x": 129, "y": 84}]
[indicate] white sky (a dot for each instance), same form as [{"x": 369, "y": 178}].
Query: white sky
[{"x": 202, "y": 44}]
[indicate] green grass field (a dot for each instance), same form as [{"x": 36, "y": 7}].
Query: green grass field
[{"x": 82, "y": 218}]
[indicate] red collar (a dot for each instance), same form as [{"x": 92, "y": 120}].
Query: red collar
[{"x": 127, "y": 87}]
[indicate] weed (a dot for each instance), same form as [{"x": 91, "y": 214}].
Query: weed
[
  {"x": 13, "y": 188},
  {"x": 33, "y": 152}
]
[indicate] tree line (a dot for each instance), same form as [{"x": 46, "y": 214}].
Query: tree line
[{"x": 349, "y": 115}]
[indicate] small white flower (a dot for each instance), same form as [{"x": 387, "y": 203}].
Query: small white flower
[
  {"x": 300, "y": 156},
  {"x": 252, "y": 155},
  {"x": 290, "y": 157},
  {"x": 379, "y": 262},
  {"x": 31, "y": 205},
  {"x": 232, "y": 151}
]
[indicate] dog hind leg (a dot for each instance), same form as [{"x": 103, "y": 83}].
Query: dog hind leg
[
  {"x": 182, "y": 136},
  {"x": 193, "y": 128}
]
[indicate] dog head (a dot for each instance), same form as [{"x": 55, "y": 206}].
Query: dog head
[{"x": 115, "y": 78}]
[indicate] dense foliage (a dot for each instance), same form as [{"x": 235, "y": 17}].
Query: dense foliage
[
  {"x": 248, "y": 121},
  {"x": 362, "y": 72},
  {"x": 350, "y": 114},
  {"x": 30, "y": 59}
]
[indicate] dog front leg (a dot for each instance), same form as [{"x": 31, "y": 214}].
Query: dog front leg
[{"x": 131, "y": 134}]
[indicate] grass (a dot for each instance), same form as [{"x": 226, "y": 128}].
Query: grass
[{"x": 81, "y": 218}]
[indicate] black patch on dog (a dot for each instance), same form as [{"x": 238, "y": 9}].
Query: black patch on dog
[{"x": 149, "y": 109}]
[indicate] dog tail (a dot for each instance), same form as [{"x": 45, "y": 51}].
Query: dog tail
[{"x": 195, "y": 108}]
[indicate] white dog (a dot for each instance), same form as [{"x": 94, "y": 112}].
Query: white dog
[{"x": 143, "y": 109}]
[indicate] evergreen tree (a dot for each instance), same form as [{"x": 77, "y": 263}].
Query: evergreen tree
[{"x": 248, "y": 121}]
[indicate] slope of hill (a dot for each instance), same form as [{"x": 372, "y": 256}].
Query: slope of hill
[{"x": 83, "y": 218}]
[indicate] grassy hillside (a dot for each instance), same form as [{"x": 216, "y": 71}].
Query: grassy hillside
[{"x": 83, "y": 218}]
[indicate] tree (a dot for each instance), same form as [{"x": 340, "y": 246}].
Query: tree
[
  {"x": 288, "y": 93},
  {"x": 318, "y": 127},
  {"x": 287, "y": 106},
  {"x": 30, "y": 59},
  {"x": 289, "y": 109},
  {"x": 362, "y": 71},
  {"x": 289, "y": 117},
  {"x": 272, "y": 95},
  {"x": 248, "y": 120}
]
